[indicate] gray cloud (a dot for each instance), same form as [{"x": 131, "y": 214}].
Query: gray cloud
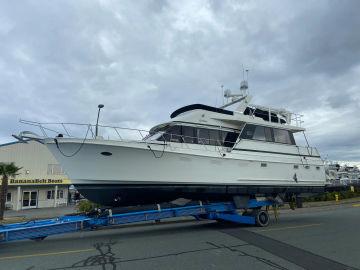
[{"x": 143, "y": 59}]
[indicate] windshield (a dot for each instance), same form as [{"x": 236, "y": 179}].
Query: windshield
[{"x": 155, "y": 131}]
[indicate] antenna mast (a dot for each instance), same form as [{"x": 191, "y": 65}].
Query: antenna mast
[
  {"x": 242, "y": 96},
  {"x": 222, "y": 95}
]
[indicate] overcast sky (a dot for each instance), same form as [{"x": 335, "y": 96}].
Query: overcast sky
[{"x": 144, "y": 59}]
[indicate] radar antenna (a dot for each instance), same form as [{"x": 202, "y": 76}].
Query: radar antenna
[{"x": 243, "y": 96}]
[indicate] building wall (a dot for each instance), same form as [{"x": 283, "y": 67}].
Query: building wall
[
  {"x": 33, "y": 157},
  {"x": 42, "y": 200},
  {"x": 38, "y": 164}
]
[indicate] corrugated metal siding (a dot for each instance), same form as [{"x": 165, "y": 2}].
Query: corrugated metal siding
[{"x": 32, "y": 156}]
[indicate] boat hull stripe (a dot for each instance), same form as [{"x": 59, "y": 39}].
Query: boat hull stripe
[{"x": 271, "y": 152}]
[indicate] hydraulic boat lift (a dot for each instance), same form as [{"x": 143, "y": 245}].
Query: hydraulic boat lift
[{"x": 242, "y": 210}]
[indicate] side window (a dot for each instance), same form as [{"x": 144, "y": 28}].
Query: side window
[
  {"x": 55, "y": 169},
  {"x": 248, "y": 132},
  {"x": 189, "y": 134},
  {"x": 50, "y": 194},
  {"x": 229, "y": 138},
  {"x": 215, "y": 137},
  {"x": 203, "y": 136},
  {"x": 292, "y": 139},
  {"x": 173, "y": 134},
  {"x": 269, "y": 135},
  {"x": 259, "y": 133},
  {"x": 60, "y": 194},
  {"x": 154, "y": 131},
  {"x": 282, "y": 136}
]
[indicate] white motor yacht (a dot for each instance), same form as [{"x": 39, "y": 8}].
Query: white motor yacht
[{"x": 201, "y": 153}]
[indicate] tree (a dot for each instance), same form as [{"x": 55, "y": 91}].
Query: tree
[{"x": 6, "y": 170}]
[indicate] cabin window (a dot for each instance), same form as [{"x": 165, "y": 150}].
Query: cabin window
[
  {"x": 269, "y": 137},
  {"x": 155, "y": 131},
  {"x": 203, "y": 136},
  {"x": 282, "y": 136},
  {"x": 173, "y": 134},
  {"x": 248, "y": 132},
  {"x": 229, "y": 138},
  {"x": 189, "y": 134},
  {"x": 292, "y": 139},
  {"x": 193, "y": 135},
  {"x": 263, "y": 134},
  {"x": 259, "y": 133},
  {"x": 215, "y": 137}
]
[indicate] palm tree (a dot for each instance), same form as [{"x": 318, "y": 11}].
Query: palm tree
[{"x": 6, "y": 170}]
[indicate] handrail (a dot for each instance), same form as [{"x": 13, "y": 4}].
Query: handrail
[
  {"x": 44, "y": 127},
  {"x": 78, "y": 124},
  {"x": 173, "y": 137},
  {"x": 290, "y": 116},
  {"x": 121, "y": 133}
]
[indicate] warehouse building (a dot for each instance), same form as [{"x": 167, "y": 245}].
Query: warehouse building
[{"x": 41, "y": 181}]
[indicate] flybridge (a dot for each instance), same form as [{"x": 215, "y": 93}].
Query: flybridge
[
  {"x": 270, "y": 114},
  {"x": 280, "y": 116}
]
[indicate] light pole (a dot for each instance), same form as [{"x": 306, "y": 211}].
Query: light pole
[{"x": 100, "y": 106}]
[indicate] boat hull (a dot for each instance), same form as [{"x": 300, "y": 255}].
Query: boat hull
[
  {"x": 132, "y": 173},
  {"x": 141, "y": 194}
]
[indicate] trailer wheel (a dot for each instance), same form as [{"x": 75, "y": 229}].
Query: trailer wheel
[{"x": 261, "y": 218}]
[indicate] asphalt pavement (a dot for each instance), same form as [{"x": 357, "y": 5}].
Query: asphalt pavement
[{"x": 324, "y": 237}]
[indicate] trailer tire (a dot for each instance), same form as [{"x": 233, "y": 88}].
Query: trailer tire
[{"x": 262, "y": 218}]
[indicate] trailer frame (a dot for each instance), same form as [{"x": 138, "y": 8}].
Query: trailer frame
[{"x": 248, "y": 213}]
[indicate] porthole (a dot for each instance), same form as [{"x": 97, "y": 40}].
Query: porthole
[
  {"x": 263, "y": 165},
  {"x": 296, "y": 166},
  {"x": 307, "y": 167},
  {"x": 317, "y": 167},
  {"x": 106, "y": 154}
]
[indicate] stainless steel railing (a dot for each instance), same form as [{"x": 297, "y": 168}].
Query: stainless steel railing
[
  {"x": 78, "y": 130},
  {"x": 73, "y": 130}
]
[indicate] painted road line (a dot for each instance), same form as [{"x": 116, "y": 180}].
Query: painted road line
[
  {"x": 289, "y": 228},
  {"x": 356, "y": 205},
  {"x": 46, "y": 254}
]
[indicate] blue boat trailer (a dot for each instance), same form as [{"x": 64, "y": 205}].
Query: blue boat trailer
[{"x": 250, "y": 213}]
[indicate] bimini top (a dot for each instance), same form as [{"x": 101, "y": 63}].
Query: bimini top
[{"x": 201, "y": 107}]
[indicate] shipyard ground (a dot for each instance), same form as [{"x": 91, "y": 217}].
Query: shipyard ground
[{"x": 326, "y": 237}]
